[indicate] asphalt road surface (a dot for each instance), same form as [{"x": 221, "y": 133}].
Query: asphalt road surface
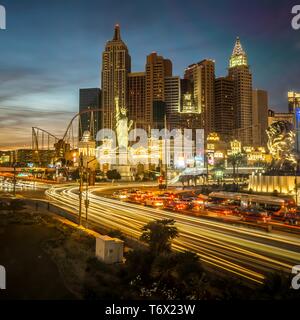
[{"x": 248, "y": 254}]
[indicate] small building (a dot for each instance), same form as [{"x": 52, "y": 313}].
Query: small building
[{"x": 109, "y": 250}]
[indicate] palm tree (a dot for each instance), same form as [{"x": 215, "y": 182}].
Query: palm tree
[
  {"x": 235, "y": 159},
  {"x": 158, "y": 235}
]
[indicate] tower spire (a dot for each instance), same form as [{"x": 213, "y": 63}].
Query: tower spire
[
  {"x": 238, "y": 49},
  {"x": 117, "y": 34},
  {"x": 239, "y": 56}
]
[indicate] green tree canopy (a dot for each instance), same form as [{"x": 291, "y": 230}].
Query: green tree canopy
[
  {"x": 113, "y": 175},
  {"x": 158, "y": 235}
]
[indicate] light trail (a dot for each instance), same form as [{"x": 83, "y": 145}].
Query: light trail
[{"x": 249, "y": 254}]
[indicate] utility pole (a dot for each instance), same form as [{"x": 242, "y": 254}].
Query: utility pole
[
  {"x": 87, "y": 194},
  {"x": 14, "y": 194},
  {"x": 207, "y": 170},
  {"x": 14, "y": 181},
  {"x": 87, "y": 201},
  {"x": 166, "y": 155},
  {"x": 80, "y": 187}
]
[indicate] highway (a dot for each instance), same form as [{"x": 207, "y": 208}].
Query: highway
[{"x": 248, "y": 254}]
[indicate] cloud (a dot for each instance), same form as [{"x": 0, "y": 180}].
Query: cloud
[{"x": 16, "y": 124}]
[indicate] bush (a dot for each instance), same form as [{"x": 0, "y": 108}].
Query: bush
[{"x": 113, "y": 175}]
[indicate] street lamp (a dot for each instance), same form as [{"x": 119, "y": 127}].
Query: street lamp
[
  {"x": 80, "y": 186},
  {"x": 87, "y": 202}
]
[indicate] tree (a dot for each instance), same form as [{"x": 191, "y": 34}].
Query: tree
[
  {"x": 113, "y": 175},
  {"x": 158, "y": 235},
  {"x": 179, "y": 275},
  {"x": 235, "y": 159},
  {"x": 189, "y": 274}
]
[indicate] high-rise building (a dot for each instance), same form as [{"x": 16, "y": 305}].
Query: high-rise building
[
  {"x": 116, "y": 64},
  {"x": 157, "y": 69},
  {"x": 224, "y": 114},
  {"x": 239, "y": 71},
  {"x": 260, "y": 117},
  {"x": 294, "y": 100},
  {"x": 294, "y": 108},
  {"x": 89, "y": 99},
  {"x": 172, "y": 100},
  {"x": 187, "y": 104},
  {"x": 137, "y": 99},
  {"x": 202, "y": 77}
]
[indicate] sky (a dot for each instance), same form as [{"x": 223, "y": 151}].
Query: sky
[{"x": 50, "y": 49}]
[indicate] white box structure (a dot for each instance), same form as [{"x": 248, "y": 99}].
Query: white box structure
[{"x": 109, "y": 250}]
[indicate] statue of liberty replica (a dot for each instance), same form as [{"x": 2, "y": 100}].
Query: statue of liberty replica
[{"x": 123, "y": 126}]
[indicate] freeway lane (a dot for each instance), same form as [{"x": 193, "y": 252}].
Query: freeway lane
[{"x": 250, "y": 254}]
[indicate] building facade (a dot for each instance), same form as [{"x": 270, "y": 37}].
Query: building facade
[
  {"x": 89, "y": 99},
  {"x": 224, "y": 107},
  {"x": 260, "y": 117},
  {"x": 202, "y": 78},
  {"x": 157, "y": 69},
  {"x": 293, "y": 100},
  {"x": 116, "y": 64},
  {"x": 137, "y": 99},
  {"x": 172, "y": 100},
  {"x": 279, "y": 116},
  {"x": 239, "y": 71}
]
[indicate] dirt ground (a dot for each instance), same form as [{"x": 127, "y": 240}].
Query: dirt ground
[
  {"x": 44, "y": 258},
  {"x": 31, "y": 274}
]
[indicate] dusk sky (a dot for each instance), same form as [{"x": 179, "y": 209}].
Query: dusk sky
[{"x": 52, "y": 48}]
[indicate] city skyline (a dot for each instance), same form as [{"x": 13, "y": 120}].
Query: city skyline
[
  {"x": 150, "y": 152},
  {"x": 44, "y": 91}
]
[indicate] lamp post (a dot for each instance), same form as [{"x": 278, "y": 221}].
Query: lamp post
[
  {"x": 87, "y": 195},
  {"x": 14, "y": 192},
  {"x": 296, "y": 124},
  {"x": 166, "y": 156},
  {"x": 87, "y": 202},
  {"x": 80, "y": 186}
]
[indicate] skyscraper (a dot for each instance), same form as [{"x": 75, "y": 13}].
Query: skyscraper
[
  {"x": 260, "y": 117},
  {"x": 137, "y": 99},
  {"x": 293, "y": 100},
  {"x": 294, "y": 108},
  {"x": 116, "y": 64},
  {"x": 239, "y": 71},
  {"x": 224, "y": 107},
  {"x": 172, "y": 100},
  {"x": 157, "y": 69},
  {"x": 202, "y": 77},
  {"x": 187, "y": 104},
  {"x": 193, "y": 74},
  {"x": 89, "y": 99}
]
